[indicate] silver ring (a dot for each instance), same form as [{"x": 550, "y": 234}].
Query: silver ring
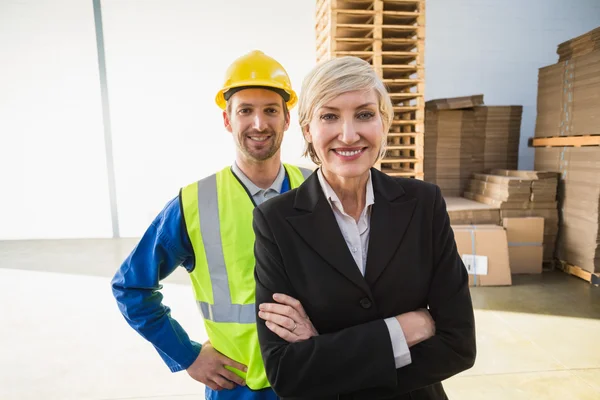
[{"x": 295, "y": 326}]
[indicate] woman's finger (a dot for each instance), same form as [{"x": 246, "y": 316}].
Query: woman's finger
[
  {"x": 281, "y": 309},
  {"x": 284, "y": 322},
  {"x": 281, "y": 332},
  {"x": 290, "y": 301}
]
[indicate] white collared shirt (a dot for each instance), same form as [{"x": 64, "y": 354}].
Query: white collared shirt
[{"x": 356, "y": 234}]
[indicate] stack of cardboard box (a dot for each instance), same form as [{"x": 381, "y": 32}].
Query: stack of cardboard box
[
  {"x": 448, "y": 149},
  {"x": 568, "y": 111},
  {"x": 455, "y": 103},
  {"x": 580, "y": 45},
  {"x": 520, "y": 194},
  {"x": 567, "y": 101},
  {"x": 468, "y": 212},
  {"x": 492, "y": 246},
  {"x": 465, "y": 137},
  {"x": 499, "y": 133},
  {"x": 579, "y": 202}
]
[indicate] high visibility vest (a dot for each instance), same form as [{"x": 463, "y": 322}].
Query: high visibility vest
[{"x": 218, "y": 218}]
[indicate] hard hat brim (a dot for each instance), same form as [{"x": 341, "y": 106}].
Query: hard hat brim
[{"x": 222, "y": 103}]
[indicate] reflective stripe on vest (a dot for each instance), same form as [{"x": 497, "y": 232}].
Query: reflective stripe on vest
[
  {"x": 305, "y": 172},
  {"x": 223, "y": 309}
]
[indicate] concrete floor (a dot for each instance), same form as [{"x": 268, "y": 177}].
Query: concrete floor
[{"x": 62, "y": 337}]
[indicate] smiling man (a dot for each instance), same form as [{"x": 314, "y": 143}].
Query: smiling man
[{"x": 207, "y": 229}]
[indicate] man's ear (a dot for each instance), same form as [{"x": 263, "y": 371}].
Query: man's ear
[
  {"x": 287, "y": 121},
  {"x": 227, "y": 122}
]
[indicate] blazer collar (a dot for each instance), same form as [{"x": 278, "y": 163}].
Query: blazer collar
[
  {"x": 391, "y": 215},
  {"x": 310, "y": 192}
]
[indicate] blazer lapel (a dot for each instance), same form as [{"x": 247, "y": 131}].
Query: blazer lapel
[
  {"x": 319, "y": 228},
  {"x": 390, "y": 217}
]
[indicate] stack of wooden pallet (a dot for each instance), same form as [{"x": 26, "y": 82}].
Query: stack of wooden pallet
[
  {"x": 465, "y": 137},
  {"x": 390, "y": 35},
  {"x": 567, "y": 140},
  {"x": 520, "y": 194}
]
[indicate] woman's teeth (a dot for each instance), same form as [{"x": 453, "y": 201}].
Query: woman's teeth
[{"x": 348, "y": 153}]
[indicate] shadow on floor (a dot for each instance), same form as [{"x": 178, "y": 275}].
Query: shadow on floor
[{"x": 551, "y": 293}]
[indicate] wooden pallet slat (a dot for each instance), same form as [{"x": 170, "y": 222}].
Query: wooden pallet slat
[
  {"x": 565, "y": 141},
  {"x": 400, "y": 147},
  {"x": 412, "y": 135},
  {"x": 355, "y": 5},
  {"x": 405, "y": 122},
  {"x": 593, "y": 278},
  {"x": 400, "y": 159},
  {"x": 401, "y": 172}
]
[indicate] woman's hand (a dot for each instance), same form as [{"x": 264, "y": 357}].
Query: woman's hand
[
  {"x": 287, "y": 319},
  {"x": 417, "y": 326}
]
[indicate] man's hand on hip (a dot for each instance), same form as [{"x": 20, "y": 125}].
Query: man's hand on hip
[{"x": 209, "y": 368}]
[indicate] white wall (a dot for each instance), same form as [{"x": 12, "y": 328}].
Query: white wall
[
  {"x": 53, "y": 180},
  {"x": 496, "y": 47},
  {"x": 165, "y": 61}
]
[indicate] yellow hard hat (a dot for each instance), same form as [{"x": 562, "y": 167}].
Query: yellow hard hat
[{"x": 256, "y": 69}]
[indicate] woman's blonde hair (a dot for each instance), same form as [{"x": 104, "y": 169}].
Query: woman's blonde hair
[{"x": 334, "y": 77}]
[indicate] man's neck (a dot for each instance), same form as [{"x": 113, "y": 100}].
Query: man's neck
[{"x": 261, "y": 173}]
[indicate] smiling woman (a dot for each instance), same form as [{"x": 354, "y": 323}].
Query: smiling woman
[{"x": 360, "y": 291}]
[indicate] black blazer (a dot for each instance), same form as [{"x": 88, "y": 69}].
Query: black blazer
[{"x": 412, "y": 263}]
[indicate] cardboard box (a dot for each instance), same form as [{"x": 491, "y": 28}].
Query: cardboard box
[
  {"x": 484, "y": 250},
  {"x": 525, "y": 244}
]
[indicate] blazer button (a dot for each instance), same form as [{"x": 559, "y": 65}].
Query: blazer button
[{"x": 365, "y": 303}]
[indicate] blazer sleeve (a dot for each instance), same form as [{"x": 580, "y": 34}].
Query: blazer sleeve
[
  {"x": 452, "y": 349},
  {"x": 359, "y": 357}
]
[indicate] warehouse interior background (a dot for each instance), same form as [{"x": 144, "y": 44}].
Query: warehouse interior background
[{"x": 165, "y": 61}]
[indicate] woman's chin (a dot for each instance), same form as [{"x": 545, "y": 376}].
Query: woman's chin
[{"x": 347, "y": 171}]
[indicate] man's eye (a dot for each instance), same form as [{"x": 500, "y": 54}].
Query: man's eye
[
  {"x": 271, "y": 111},
  {"x": 244, "y": 111}
]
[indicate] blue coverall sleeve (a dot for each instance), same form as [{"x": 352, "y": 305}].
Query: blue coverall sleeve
[{"x": 136, "y": 287}]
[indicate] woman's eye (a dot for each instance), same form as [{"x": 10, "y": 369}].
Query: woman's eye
[
  {"x": 328, "y": 117},
  {"x": 366, "y": 115}
]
